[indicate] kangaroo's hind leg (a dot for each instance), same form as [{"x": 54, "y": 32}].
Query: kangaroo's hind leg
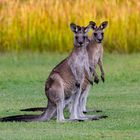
[
  {"x": 74, "y": 106},
  {"x": 82, "y": 107},
  {"x": 56, "y": 96},
  {"x": 49, "y": 112},
  {"x": 83, "y": 101},
  {"x": 60, "y": 108}
]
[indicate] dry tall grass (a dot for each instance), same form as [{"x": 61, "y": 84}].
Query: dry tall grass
[{"x": 44, "y": 24}]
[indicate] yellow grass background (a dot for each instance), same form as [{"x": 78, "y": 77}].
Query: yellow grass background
[{"x": 43, "y": 25}]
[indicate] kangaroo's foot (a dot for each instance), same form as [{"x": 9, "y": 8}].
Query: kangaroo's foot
[
  {"x": 71, "y": 120},
  {"x": 93, "y": 117},
  {"x": 98, "y": 117},
  {"x": 75, "y": 120},
  {"x": 90, "y": 110}
]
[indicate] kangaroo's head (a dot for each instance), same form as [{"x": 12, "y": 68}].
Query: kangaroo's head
[
  {"x": 98, "y": 32},
  {"x": 80, "y": 35}
]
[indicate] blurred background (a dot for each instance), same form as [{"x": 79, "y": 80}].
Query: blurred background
[{"x": 43, "y": 25}]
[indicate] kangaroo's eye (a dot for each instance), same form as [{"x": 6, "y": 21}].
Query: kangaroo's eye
[
  {"x": 102, "y": 34},
  {"x": 84, "y": 37},
  {"x": 76, "y": 37},
  {"x": 95, "y": 34}
]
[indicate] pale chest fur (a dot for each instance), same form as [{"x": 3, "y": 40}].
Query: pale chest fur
[
  {"x": 78, "y": 62},
  {"x": 81, "y": 60}
]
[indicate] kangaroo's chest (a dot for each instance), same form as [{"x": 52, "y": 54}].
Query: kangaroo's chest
[
  {"x": 96, "y": 56},
  {"x": 78, "y": 64}
]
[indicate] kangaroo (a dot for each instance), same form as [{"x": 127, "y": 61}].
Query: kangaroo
[
  {"x": 95, "y": 53},
  {"x": 64, "y": 83}
]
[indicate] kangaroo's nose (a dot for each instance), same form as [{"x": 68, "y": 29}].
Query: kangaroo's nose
[{"x": 80, "y": 43}]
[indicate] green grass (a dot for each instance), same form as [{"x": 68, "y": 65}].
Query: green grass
[{"x": 22, "y": 79}]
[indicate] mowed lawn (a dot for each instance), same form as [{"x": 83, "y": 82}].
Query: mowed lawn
[{"x": 22, "y": 79}]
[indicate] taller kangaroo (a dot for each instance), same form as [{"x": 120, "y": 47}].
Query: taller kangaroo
[{"x": 64, "y": 82}]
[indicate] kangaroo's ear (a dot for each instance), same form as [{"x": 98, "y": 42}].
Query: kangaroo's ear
[
  {"x": 74, "y": 27},
  {"x": 103, "y": 25},
  {"x": 86, "y": 29},
  {"x": 92, "y": 24}
]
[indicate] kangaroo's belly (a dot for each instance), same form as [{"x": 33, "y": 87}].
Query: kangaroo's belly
[
  {"x": 69, "y": 88},
  {"x": 95, "y": 57}
]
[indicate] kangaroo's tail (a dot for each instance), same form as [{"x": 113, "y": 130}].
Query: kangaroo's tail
[
  {"x": 45, "y": 116},
  {"x": 34, "y": 109},
  {"x": 20, "y": 118}
]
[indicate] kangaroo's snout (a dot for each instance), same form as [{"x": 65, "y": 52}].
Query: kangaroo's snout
[
  {"x": 80, "y": 43},
  {"x": 99, "y": 40}
]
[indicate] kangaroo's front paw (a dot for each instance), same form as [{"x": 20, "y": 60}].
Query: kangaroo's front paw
[
  {"x": 103, "y": 78},
  {"x": 90, "y": 81},
  {"x": 96, "y": 80},
  {"x": 77, "y": 84}
]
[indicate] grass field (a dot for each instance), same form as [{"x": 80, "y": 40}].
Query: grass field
[{"x": 22, "y": 79}]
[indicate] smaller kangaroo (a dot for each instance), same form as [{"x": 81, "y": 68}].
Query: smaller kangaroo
[{"x": 95, "y": 53}]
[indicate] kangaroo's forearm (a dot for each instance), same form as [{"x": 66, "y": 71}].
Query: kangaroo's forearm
[
  {"x": 101, "y": 67},
  {"x": 93, "y": 71},
  {"x": 102, "y": 70}
]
